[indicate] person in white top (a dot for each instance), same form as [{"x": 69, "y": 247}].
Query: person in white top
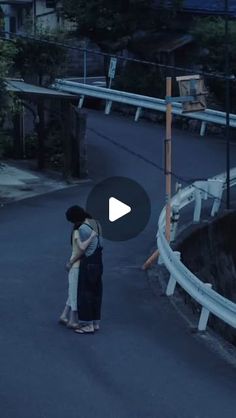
[{"x": 69, "y": 316}]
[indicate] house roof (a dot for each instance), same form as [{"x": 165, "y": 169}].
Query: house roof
[
  {"x": 22, "y": 88},
  {"x": 202, "y": 6}
]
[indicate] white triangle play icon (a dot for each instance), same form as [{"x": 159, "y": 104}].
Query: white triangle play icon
[{"x": 117, "y": 209}]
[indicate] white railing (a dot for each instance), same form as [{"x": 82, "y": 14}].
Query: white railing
[
  {"x": 209, "y": 299},
  {"x": 140, "y": 102}
]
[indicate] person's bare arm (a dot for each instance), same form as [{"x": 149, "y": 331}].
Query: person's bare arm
[{"x": 82, "y": 246}]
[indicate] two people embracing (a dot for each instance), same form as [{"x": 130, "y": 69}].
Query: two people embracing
[{"x": 82, "y": 311}]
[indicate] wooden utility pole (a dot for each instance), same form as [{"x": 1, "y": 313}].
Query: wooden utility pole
[
  {"x": 192, "y": 96},
  {"x": 41, "y": 134},
  {"x": 167, "y": 145},
  {"x": 168, "y": 157}
]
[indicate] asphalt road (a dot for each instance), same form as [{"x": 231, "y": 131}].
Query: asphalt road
[{"x": 144, "y": 362}]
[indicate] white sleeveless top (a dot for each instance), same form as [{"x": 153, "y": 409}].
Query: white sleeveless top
[{"x": 75, "y": 248}]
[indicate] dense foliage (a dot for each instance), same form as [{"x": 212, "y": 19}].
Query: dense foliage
[
  {"x": 41, "y": 60},
  {"x": 7, "y": 53},
  {"x": 209, "y": 34},
  {"x": 108, "y": 20}
]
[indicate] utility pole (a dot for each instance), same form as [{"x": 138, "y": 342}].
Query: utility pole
[
  {"x": 168, "y": 157},
  {"x": 192, "y": 97}
]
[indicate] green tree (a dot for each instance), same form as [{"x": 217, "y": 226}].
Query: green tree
[
  {"x": 7, "y": 53},
  {"x": 209, "y": 34},
  {"x": 125, "y": 24},
  {"x": 40, "y": 60},
  {"x": 108, "y": 20}
]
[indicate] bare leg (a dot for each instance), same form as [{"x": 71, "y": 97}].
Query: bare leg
[
  {"x": 64, "y": 316},
  {"x": 73, "y": 321}
]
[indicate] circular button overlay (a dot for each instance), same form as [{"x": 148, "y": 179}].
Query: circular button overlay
[{"x": 121, "y": 206}]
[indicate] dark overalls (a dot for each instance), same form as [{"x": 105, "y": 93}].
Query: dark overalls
[{"x": 90, "y": 285}]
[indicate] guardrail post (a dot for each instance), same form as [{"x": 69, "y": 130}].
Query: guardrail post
[
  {"x": 198, "y": 206},
  {"x": 202, "y": 324},
  {"x": 81, "y": 102},
  {"x": 203, "y": 128},
  {"x": 108, "y": 107},
  {"x": 174, "y": 222},
  {"x": 172, "y": 282},
  {"x": 215, "y": 190},
  {"x": 137, "y": 114},
  {"x": 160, "y": 260},
  {"x": 201, "y": 189}
]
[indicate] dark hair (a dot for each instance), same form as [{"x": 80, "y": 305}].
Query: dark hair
[{"x": 77, "y": 215}]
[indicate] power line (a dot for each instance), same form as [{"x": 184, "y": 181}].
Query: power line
[
  {"x": 119, "y": 57},
  {"x": 188, "y": 182}
]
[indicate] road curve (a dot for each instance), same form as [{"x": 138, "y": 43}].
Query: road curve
[{"x": 144, "y": 362}]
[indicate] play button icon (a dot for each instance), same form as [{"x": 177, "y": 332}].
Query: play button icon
[
  {"x": 117, "y": 209},
  {"x": 121, "y": 206}
]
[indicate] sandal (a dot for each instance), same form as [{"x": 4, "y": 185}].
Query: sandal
[
  {"x": 96, "y": 327},
  {"x": 72, "y": 325},
  {"x": 84, "y": 330}
]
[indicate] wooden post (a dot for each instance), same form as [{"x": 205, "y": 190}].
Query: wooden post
[
  {"x": 81, "y": 127},
  {"x": 168, "y": 157},
  {"x": 41, "y": 133},
  {"x": 78, "y": 127},
  {"x": 18, "y": 136},
  {"x": 155, "y": 255},
  {"x": 151, "y": 260},
  {"x": 67, "y": 142}
]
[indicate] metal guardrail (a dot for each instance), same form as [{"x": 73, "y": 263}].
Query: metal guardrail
[
  {"x": 140, "y": 102},
  {"x": 209, "y": 299}
]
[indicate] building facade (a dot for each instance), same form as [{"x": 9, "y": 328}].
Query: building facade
[{"x": 17, "y": 14}]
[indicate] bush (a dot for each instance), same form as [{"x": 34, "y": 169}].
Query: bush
[
  {"x": 54, "y": 147},
  {"x": 6, "y": 145},
  {"x": 31, "y": 141},
  {"x": 141, "y": 79}
]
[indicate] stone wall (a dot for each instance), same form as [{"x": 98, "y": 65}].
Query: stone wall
[{"x": 210, "y": 253}]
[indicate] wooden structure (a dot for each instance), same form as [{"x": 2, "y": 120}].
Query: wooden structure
[{"x": 71, "y": 132}]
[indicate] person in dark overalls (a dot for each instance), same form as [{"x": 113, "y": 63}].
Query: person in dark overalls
[{"x": 90, "y": 286}]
